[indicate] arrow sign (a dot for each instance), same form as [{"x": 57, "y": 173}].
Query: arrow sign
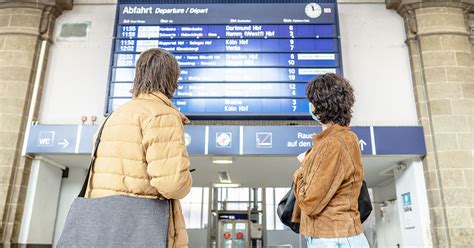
[
  {"x": 65, "y": 143},
  {"x": 362, "y": 144}
]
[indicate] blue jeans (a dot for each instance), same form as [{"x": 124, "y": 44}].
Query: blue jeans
[{"x": 359, "y": 241}]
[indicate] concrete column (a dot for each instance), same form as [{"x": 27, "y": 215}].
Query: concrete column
[
  {"x": 438, "y": 39},
  {"x": 41, "y": 204},
  {"x": 70, "y": 188},
  {"x": 388, "y": 232},
  {"x": 24, "y": 25}
]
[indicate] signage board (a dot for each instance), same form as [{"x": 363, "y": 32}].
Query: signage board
[{"x": 238, "y": 60}]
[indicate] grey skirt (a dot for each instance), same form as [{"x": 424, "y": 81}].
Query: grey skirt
[{"x": 116, "y": 221}]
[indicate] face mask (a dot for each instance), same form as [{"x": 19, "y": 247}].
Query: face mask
[{"x": 311, "y": 110}]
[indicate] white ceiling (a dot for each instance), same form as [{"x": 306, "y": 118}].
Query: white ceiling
[{"x": 259, "y": 171}]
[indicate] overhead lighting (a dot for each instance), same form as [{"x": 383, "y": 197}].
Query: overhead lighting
[
  {"x": 226, "y": 185},
  {"x": 224, "y": 177},
  {"x": 222, "y": 160}
]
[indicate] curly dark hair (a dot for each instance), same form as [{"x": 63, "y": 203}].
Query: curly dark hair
[{"x": 332, "y": 97}]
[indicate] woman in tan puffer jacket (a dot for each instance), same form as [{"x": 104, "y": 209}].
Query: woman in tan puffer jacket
[{"x": 142, "y": 151}]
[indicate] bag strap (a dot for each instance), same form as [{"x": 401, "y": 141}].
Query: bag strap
[{"x": 93, "y": 158}]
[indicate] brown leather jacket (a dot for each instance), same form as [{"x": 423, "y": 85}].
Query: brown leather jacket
[{"x": 327, "y": 186}]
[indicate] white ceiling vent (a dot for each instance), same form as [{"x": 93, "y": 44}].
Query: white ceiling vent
[
  {"x": 74, "y": 31},
  {"x": 224, "y": 177}
]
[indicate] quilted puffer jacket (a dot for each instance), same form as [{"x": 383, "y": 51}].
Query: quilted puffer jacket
[{"x": 143, "y": 154}]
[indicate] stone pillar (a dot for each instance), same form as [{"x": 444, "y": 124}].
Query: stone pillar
[
  {"x": 438, "y": 39},
  {"x": 24, "y": 25}
]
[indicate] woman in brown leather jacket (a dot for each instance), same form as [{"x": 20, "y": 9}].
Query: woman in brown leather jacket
[{"x": 328, "y": 183}]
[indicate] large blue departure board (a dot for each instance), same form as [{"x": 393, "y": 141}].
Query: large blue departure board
[{"x": 238, "y": 60}]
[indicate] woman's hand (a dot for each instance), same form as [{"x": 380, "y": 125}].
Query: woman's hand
[{"x": 301, "y": 157}]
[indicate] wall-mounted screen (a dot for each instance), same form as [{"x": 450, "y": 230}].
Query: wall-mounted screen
[{"x": 238, "y": 60}]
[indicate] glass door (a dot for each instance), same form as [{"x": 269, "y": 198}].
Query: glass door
[
  {"x": 226, "y": 234},
  {"x": 241, "y": 231},
  {"x": 233, "y": 234}
]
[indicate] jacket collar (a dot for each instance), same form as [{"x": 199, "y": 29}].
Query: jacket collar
[
  {"x": 328, "y": 132},
  {"x": 158, "y": 96}
]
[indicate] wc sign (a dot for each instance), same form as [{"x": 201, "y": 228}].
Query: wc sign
[
  {"x": 54, "y": 139},
  {"x": 46, "y": 138}
]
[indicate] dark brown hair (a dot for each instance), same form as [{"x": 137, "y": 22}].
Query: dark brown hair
[
  {"x": 332, "y": 97},
  {"x": 156, "y": 70}
]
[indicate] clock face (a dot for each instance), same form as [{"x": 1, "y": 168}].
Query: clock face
[{"x": 313, "y": 10}]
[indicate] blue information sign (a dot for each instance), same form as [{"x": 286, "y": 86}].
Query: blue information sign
[
  {"x": 246, "y": 106},
  {"x": 233, "y": 216},
  {"x": 234, "y": 74},
  {"x": 195, "y": 139},
  {"x": 208, "y": 90},
  {"x": 229, "y": 45},
  {"x": 52, "y": 139},
  {"x": 259, "y": 54},
  {"x": 283, "y": 140},
  {"x": 86, "y": 138},
  {"x": 398, "y": 141},
  {"x": 316, "y": 60},
  {"x": 365, "y": 139},
  {"x": 224, "y": 140},
  {"x": 226, "y": 31},
  {"x": 235, "y": 140}
]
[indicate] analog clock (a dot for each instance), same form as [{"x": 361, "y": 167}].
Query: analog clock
[{"x": 313, "y": 10}]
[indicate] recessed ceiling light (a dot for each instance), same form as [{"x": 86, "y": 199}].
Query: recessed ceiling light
[
  {"x": 226, "y": 185},
  {"x": 222, "y": 160},
  {"x": 224, "y": 177}
]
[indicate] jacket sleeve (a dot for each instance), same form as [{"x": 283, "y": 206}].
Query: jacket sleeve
[
  {"x": 166, "y": 156},
  {"x": 316, "y": 184}
]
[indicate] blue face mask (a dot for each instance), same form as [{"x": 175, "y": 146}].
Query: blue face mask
[
  {"x": 315, "y": 117},
  {"x": 311, "y": 109}
]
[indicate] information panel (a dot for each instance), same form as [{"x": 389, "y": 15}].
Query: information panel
[{"x": 239, "y": 61}]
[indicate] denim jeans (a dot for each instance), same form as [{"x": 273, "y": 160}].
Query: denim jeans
[{"x": 359, "y": 241}]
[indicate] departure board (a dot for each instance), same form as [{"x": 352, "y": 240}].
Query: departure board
[{"x": 237, "y": 60}]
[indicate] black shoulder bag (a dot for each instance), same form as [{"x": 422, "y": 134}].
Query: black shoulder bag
[{"x": 287, "y": 203}]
